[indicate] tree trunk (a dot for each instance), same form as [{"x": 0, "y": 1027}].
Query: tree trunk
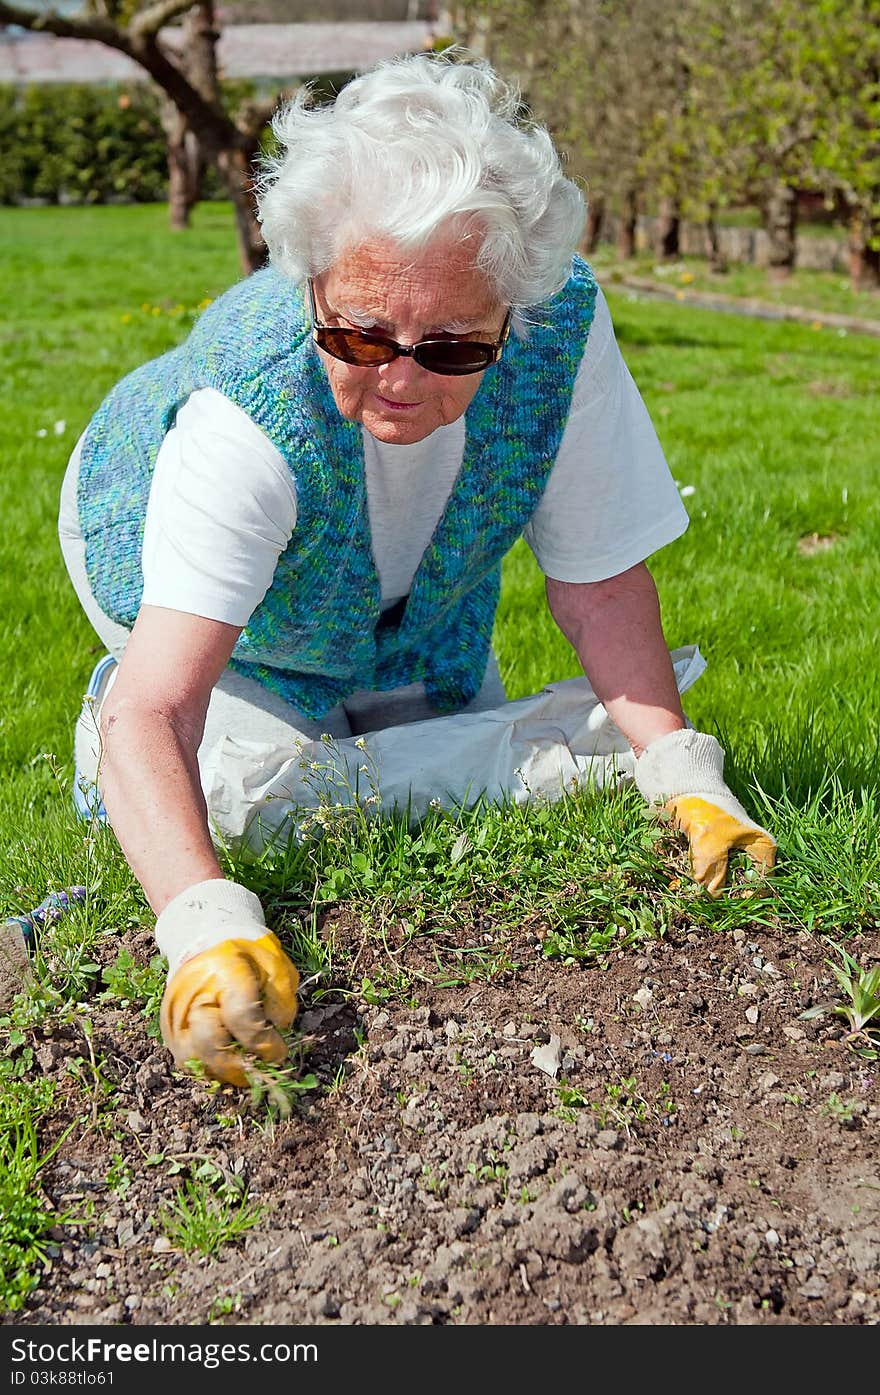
[
  {"x": 715, "y": 256},
  {"x": 185, "y": 165},
  {"x": 186, "y": 155},
  {"x": 235, "y": 170},
  {"x": 780, "y": 223},
  {"x": 626, "y": 228},
  {"x": 667, "y": 232},
  {"x": 864, "y": 252},
  {"x": 595, "y": 220}
]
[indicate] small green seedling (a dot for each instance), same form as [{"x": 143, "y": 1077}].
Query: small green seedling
[{"x": 862, "y": 987}]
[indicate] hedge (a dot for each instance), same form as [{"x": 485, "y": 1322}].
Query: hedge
[{"x": 82, "y": 143}]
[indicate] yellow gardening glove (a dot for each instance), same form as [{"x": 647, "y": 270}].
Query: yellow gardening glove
[
  {"x": 713, "y": 834},
  {"x": 227, "y": 998},
  {"x": 231, "y": 988},
  {"x": 684, "y": 773}
]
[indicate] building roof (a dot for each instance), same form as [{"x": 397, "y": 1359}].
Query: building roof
[{"x": 282, "y": 51}]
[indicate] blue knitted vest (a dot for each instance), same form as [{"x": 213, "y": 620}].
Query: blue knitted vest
[{"x": 314, "y": 637}]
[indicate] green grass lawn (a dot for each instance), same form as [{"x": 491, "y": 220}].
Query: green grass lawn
[
  {"x": 772, "y": 430},
  {"x": 773, "y": 427}
]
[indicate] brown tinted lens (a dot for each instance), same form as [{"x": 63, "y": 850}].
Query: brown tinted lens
[
  {"x": 352, "y": 347},
  {"x": 454, "y": 357}
]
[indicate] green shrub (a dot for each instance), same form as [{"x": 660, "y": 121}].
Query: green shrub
[{"x": 84, "y": 143}]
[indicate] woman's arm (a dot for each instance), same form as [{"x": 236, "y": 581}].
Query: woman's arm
[
  {"x": 231, "y": 988},
  {"x": 614, "y": 628},
  {"x": 151, "y": 726}
]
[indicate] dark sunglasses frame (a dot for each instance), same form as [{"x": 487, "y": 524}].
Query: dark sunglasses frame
[{"x": 435, "y": 355}]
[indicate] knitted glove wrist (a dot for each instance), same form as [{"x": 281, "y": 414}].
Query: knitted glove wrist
[
  {"x": 687, "y": 763},
  {"x": 203, "y": 916},
  {"x": 681, "y": 762}
]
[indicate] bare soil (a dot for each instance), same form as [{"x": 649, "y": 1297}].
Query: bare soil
[{"x": 701, "y": 1155}]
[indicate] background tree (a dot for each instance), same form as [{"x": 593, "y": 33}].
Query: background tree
[
  {"x": 197, "y": 58},
  {"x": 610, "y": 78},
  {"x": 228, "y": 142},
  {"x": 844, "y": 65},
  {"x": 685, "y": 110}
]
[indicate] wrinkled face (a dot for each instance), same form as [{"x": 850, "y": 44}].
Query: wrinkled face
[{"x": 431, "y": 294}]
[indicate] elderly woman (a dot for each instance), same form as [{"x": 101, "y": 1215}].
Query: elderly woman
[{"x": 293, "y": 524}]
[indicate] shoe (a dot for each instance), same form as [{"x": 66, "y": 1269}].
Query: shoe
[{"x": 86, "y": 799}]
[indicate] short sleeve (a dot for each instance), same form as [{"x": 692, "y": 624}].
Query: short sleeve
[
  {"x": 611, "y": 500},
  {"x": 222, "y": 508}
]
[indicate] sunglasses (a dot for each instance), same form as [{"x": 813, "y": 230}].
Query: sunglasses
[{"x": 453, "y": 358}]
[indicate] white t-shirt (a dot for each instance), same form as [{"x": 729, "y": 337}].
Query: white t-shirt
[{"x": 222, "y": 504}]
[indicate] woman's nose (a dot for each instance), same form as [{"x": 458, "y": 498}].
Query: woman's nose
[{"x": 398, "y": 375}]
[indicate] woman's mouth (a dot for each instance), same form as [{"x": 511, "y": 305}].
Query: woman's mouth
[{"x": 393, "y": 406}]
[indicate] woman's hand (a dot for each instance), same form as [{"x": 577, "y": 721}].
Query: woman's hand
[
  {"x": 231, "y": 988},
  {"x": 684, "y": 772},
  {"x": 226, "y": 1003}
]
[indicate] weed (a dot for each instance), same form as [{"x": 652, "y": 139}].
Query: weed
[
  {"x": 432, "y": 1182},
  {"x": 131, "y": 983},
  {"x": 570, "y": 1098},
  {"x": 278, "y": 1087},
  {"x": 862, "y": 987},
  {"x": 839, "y": 1109},
  {"x": 223, "y": 1305},
  {"x": 25, "y": 1216},
  {"x": 90, "y": 1074},
  {"x": 629, "y": 1213},
  {"x": 200, "y": 1218},
  {"x": 119, "y": 1175},
  {"x": 622, "y": 1106},
  {"x": 464, "y": 1068},
  {"x": 336, "y": 1084},
  {"x": 489, "y": 1172}
]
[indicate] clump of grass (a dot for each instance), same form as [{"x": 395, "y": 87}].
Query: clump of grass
[
  {"x": 25, "y": 1215},
  {"x": 200, "y": 1218}
]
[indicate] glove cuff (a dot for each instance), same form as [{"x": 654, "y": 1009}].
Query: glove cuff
[
  {"x": 682, "y": 762},
  {"x": 203, "y": 916}
]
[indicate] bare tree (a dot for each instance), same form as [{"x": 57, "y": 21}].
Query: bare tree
[
  {"x": 187, "y": 76},
  {"x": 197, "y": 56}
]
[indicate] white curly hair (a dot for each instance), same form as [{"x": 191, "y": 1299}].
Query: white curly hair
[{"x": 412, "y": 148}]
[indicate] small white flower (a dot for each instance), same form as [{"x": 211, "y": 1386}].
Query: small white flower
[
  {"x": 687, "y": 490},
  {"x": 361, "y": 743},
  {"x": 42, "y": 432},
  {"x": 60, "y": 427}
]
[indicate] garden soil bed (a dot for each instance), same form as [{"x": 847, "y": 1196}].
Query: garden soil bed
[{"x": 701, "y": 1155}]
